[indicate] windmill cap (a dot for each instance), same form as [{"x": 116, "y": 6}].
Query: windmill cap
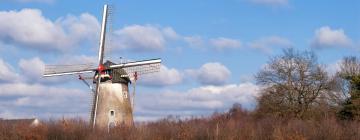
[{"x": 101, "y": 67}]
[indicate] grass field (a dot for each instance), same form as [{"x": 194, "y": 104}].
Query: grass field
[{"x": 232, "y": 125}]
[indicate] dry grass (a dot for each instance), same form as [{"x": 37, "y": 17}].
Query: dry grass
[{"x": 233, "y": 125}]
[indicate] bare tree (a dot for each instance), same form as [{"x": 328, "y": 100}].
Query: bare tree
[
  {"x": 349, "y": 67},
  {"x": 293, "y": 83}
]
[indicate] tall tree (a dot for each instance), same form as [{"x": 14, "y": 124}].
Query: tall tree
[
  {"x": 293, "y": 83},
  {"x": 350, "y": 73}
]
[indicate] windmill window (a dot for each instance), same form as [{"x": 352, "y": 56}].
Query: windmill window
[
  {"x": 125, "y": 94},
  {"x": 112, "y": 113}
]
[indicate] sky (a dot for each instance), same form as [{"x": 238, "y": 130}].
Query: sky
[{"x": 210, "y": 50}]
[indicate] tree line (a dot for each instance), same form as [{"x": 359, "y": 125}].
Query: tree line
[{"x": 295, "y": 84}]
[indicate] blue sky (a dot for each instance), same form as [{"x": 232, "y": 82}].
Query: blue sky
[{"x": 210, "y": 49}]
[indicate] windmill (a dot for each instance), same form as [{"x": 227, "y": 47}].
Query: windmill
[{"x": 111, "y": 104}]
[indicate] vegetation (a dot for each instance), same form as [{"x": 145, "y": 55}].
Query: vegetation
[
  {"x": 231, "y": 125},
  {"x": 294, "y": 85},
  {"x": 350, "y": 73},
  {"x": 299, "y": 101}
]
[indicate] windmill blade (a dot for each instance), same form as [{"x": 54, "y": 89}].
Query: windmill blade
[
  {"x": 143, "y": 69},
  {"x": 100, "y": 67},
  {"x": 140, "y": 67},
  {"x": 95, "y": 101},
  {"x": 136, "y": 63},
  {"x": 102, "y": 35},
  {"x": 58, "y": 70}
]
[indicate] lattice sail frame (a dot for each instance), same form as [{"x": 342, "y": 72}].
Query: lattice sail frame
[
  {"x": 143, "y": 69},
  {"x": 140, "y": 67},
  {"x": 57, "y": 70}
]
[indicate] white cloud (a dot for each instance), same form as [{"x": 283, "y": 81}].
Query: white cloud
[
  {"x": 170, "y": 33},
  {"x": 31, "y": 95},
  {"x": 194, "y": 41},
  {"x": 7, "y": 72},
  {"x": 32, "y": 68},
  {"x": 29, "y": 28},
  {"x": 35, "y": 100},
  {"x": 271, "y": 2},
  {"x": 143, "y": 38},
  {"x": 166, "y": 76},
  {"x": 212, "y": 73},
  {"x": 266, "y": 44},
  {"x": 84, "y": 27},
  {"x": 196, "y": 101},
  {"x": 32, "y": 71},
  {"x": 225, "y": 43},
  {"x": 327, "y": 37},
  {"x": 21, "y": 89}
]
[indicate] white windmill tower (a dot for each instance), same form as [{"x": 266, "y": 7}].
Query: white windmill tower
[{"x": 111, "y": 103}]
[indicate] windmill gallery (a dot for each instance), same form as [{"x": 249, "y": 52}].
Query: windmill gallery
[{"x": 111, "y": 104}]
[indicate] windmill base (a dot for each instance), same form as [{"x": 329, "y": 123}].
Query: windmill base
[{"x": 114, "y": 106}]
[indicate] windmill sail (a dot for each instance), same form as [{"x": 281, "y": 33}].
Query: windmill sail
[
  {"x": 59, "y": 70},
  {"x": 141, "y": 67},
  {"x": 145, "y": 67},
  {"x": 101, "y": 59}
]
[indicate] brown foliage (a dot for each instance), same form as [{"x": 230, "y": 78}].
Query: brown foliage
[{"x": 232, "y": 125}]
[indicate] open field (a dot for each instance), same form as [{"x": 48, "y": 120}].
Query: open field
[{"x": 234, "y": 124}]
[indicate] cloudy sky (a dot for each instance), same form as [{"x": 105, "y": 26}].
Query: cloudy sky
[{"x": 210, "y": 50}]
